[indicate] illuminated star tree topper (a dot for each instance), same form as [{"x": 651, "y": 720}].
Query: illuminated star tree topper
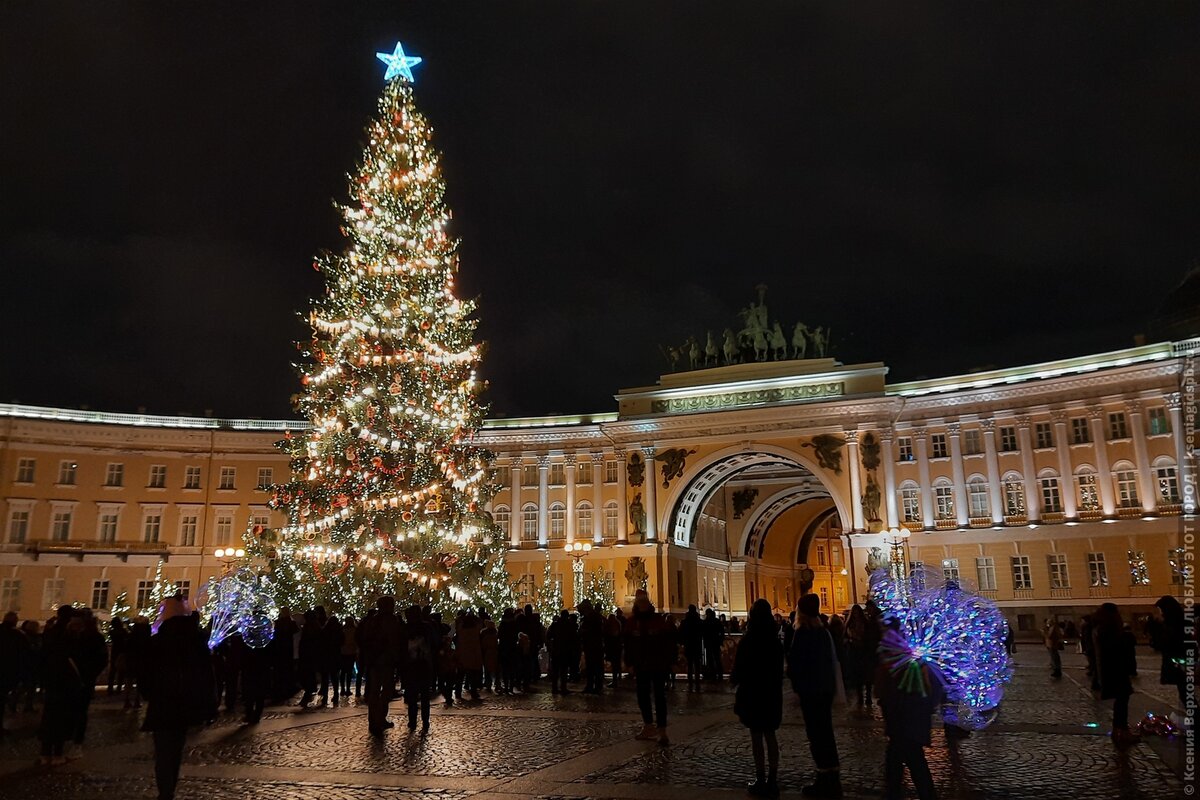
[{"x": 398, "y": 64}]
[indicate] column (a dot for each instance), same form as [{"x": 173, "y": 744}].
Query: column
[
  {"x": 543, "y": 465},
  {"x": 919, "y": 434},
  {"x": 1062, "y": 444},
  {"x": 622, "y": 497},
  {"x": 1104, "y": 478},
  {"x": 569, "y": 470},
  {"x": 597, "y": 497},
  {"x": 889, "y": 477},
  {"x": 960, "y": 479},
  {"x": 1184, "y": 469},
  {"x": 1146, "y": 483},
  {"x": 1033, "y": 489},
  {"x": 650, "y": 498},
  {"x": 993, "y": 470},
  {"x": 514, "y": 516},
  {"x": 856, "y": 507}
]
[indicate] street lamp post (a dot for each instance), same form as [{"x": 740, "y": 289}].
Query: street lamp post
[
  {"x": 896, "y": 537},
  {"x": 228, "y": 557},
  {"x": 578, "y": 552}
]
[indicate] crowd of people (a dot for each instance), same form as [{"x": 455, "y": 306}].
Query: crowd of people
[{"x": 416, "y": 654}]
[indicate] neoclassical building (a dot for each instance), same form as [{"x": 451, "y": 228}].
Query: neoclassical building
[{"x": 1050, "y": 487}]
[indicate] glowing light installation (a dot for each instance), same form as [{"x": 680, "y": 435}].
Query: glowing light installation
[
  {"x": 956, "y": 632},
  {"x": 389, "y": 491},
  {"x": 239, "y": 601}
]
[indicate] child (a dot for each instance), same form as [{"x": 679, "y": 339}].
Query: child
[{"x": 908, "y": 692}]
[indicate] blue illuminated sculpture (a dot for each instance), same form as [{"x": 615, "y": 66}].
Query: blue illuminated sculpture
[
  {"x": 239, "y": 602},
  {"x": 958, "y": 633},
  {"x": 398, "y": 64}
]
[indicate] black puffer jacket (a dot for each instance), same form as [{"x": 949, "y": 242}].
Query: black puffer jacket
[{"x": 178, "y": 678}]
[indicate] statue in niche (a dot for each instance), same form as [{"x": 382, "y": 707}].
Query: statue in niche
[
  {"x": 800, "y": 340},
  {"x": 828, "y": 448},
  {"x": 733, "y": 353},
  {"x": 637, "y": 469},
  {"x": 637, "y": 515},
  {"x": 673, "y": 462},
  {"x": 693, "y": 352},
  {"x": 635, "y": 576},
  {"x": 779, "y": 346},
  {"x": 743, "y": 499},
  {"x": 870, "y": 451},
  {"x": 875, "y": 560},
  {"x": 712, "y": 354},
  {"x": 870, "y": 499}
]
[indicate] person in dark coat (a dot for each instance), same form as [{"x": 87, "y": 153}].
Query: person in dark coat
[
  {"x": 230, "y": 652},
  {"x": 332, "y": 638},
  {"x": 1167, "y": 637},
  {"x": 118, "y": 636},
  {"x": 90, "y": 655},
  {"x": 1115, "y": 665},
  {"x": 591, "y": 642},
  {"x": 562, "y": 640},
  {"x": 489, "y": 648},
  {"x": 283, "y": 665},
  {"x": 509, "y": 650},
  {"x": 758, "y": 676},
  {"x": 379, "y": 643},
  {"x": 907, "y": 712},
  {"x": 650, "y": 650},
  {"x": 614, "y": 639},
  {"x": 255, "y": 680},
  {"x": 813, "y": 669},
  {"x": 417, "y": 665},
  {"x": 468, "y": 641},
  {"x": 691, "y": 633},
  {"x": 714, "y": 637},
  {"x": 13, "y": 651},
  {"x": 135, "y": 656},
  {"x": 61, "y": 687},
  {"x": 311, "y": 653},
  {"x": 180, "y": 688}
]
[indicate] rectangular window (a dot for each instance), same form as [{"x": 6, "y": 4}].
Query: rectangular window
[
  {"x": 836, "y": 552},
  {"x": 611, "y": 471},
  {"x": 905, "y": 448},
  {"x": 1045, "y": 435},
  {"x": 1051, "y": 496},
  {"x": 529, "y": 475},
  {"x": 985, "y": 573},
  {"x": 583, "y": 473},
  {"x": 1181, "y": 571},
  {"x": 1127, "y": 493},
  {"x": 1022, "y": 577},
  {"x": 1014, "y": 498},
  {"x": 184, "y": 588},
  {"x": 266, "y": 477},
  {"x": 1139, "y": 574},
  {"x": 950, "y": 569},
  {"x": 99, "y": 594},
  {"x": 151, "y": 528},
  {"x": 259, "y": 520},
  {"x": 1057, "y": 565},
  {"x": 972, "y": 442},
  {"x": 1008, "y": 439},
  {"x": 910, "y": 504},
  {"x": 114, "y": 475},
  {"x": 224, "y": 528},
  {"x": 1157, "y": 421},
  {"x": 60, "y": 526},
  {"x": 916, "y": 570},
  {"x": 558, "y": 522},
  {"x": 824, "y": 597},
  {"x": 1097, "y": 570},
  {"x": 558, "y": 474},
  {"x": 25, "y": 467},
  {"x": 1081, "y": 432},
  {"x": 188, "y": 524},
  {"x": 53, "y": 590},
  {"x": 191, "y": 478},
  {"x": 10, "y": 595},
  {"x": 610, "y": 522},
  {"x": 66, "y": 473},
  {"x": 937, "y": 444},
  {"x": 943, "y": 497},
  {"x": 18, "y": 525},
  {"x": 1168, "y": 485},
  {"x": 228, "y": 478},
  {"x": 1089, "y": 495},
  {"x": 583, "y": 522},
  {"x": 820, "y": 554},
  {"x": 107, "y": 529},
  {"x": 158, "y": 477},
  {"x": 978, "y": 500},
  {"x": 1117, "y": 427},
  {"x": 144, "y": 590}
]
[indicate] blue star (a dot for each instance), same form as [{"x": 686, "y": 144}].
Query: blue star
[{"x": 398, "y": 64}]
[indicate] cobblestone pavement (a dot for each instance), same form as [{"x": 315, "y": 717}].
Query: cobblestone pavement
[{"x": 1048, "y": 741}]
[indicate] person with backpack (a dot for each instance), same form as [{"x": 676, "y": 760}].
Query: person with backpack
[{"x": 179, "y": 686}]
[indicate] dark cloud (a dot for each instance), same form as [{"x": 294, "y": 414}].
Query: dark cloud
[{"x": 946, "y": 185}]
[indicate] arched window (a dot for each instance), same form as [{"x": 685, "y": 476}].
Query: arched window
[
  {"x": 558, "y": 522},
  {"x": 1125, "y": 482},
  {"x": 943, "y": 499},
  {"x": 583, "y": 520},
  {"x": 1087, "y": 490},
  {"x": 979, "y": 505},
  {"x": 1166, "y": 479},
  {"x": 611, "y": 513},
  {"x": 529, "y": 522},
  {"x": 502, "y": 516},
  {"x": 910, "y": 502}
]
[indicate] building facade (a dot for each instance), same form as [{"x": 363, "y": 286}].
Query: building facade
[{"x": 1050, "y": 487}]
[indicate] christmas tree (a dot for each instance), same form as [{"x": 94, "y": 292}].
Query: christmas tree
[
  {"x": 549, "y": 598},
  {"x": 388, "y": 490}
]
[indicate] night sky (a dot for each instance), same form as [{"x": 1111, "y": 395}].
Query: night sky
[{"x": 948, "y": 186}]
